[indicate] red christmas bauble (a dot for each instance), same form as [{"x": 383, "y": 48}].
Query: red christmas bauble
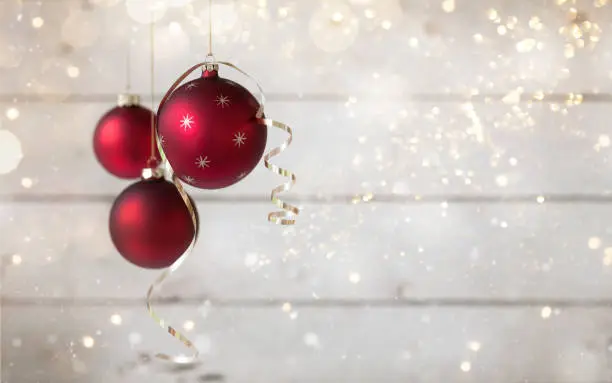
[
  {"x": 210, "y": 133},
  {"x": 122, "y": 140},
  {"x": 150, "y": 224}
]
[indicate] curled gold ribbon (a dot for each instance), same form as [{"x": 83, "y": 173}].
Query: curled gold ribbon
[
  {"x": 288, "y": 212},
  {"x": 168, "y": 272},
  {"x": 286, "y": 216},
  {"x": 177, "y": 264}
]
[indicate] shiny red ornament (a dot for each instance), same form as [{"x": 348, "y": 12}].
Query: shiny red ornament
[
  {"x": 122, "y": 140},
  {"x": 150, "y": 224},
  {"x": 210, "y": 132}
]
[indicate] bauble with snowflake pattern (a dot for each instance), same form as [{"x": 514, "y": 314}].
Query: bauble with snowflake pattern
[{"x": 210, "y": 132}]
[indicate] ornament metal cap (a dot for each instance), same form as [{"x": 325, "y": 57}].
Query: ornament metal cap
[
  {"x": 210, "y": 67},
  {"x": 126, "y": 99},
  {"x": 152, "y": 173},
  {"x": 154, "y": 170}
]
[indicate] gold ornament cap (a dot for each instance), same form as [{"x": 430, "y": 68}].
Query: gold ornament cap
[
  {"x": 152, "y": 173},
  {"x": 210, "y": 65},
  {"x": 126, "y": 99}
]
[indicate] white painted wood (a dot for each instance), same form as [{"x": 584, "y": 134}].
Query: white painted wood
[
  {"x": 328, "y": 345},
  {"x": 333, "y": 153},
  {"x": 356, "y": 252},
  {"x": 365, "y": 132},
  {"x": 425, "y": 50}
]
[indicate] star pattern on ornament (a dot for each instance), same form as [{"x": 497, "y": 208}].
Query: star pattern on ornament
[
  {"x": 239, "y": 139},
  {"x": 189, "y": 180},
  {"x": 202, "y": 162},
  {"x": 222, "y": 101},
  {"x": 191, "y": 86},
  {"x": 187, "y": 121}
]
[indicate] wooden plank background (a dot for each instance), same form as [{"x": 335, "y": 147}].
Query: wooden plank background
[{"x": 454, "y": 227}]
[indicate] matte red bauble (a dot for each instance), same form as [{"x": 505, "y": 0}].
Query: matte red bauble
[
  {"x": 122, "y": 139},
  {"x": 209, "y": 132},
  {"x": 150, "y": 225}
]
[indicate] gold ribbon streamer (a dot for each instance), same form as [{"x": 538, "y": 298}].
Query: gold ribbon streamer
[
  {"x": 286, "y": 216},
  {"x": 168, "y": 272},
  {"x": 177, "y": 264}
]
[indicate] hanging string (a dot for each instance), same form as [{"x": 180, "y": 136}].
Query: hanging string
[
  {"x": 153, "y": 161},
  {"x": 128, "y": 67},
  {"x": 210, "y": 28}
]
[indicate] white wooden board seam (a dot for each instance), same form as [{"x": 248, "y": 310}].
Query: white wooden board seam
[
  {"x": 356, "y": 198},
  {"x": 92, "y": 98},
  {"x": 407, "y": 303}
]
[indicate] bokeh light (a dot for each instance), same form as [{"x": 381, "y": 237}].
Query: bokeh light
[
  {"x": 171, "y": 41},
  {"x": 10, "y": 152},
  {"x": 334, "y": 27},
  {"x": 105, "y": 3},
  {"x": 146, "y": 11},
  {"x": 38, "y": 22},
  {"x": 226, "y": 19},
  {"x": 12, "y": 113},
  {"x": 80, "y": 29},
  {"x": 11, "y": 54}
]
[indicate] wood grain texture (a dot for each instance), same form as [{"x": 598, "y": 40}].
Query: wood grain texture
[{"x": 397, "y": 290}]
